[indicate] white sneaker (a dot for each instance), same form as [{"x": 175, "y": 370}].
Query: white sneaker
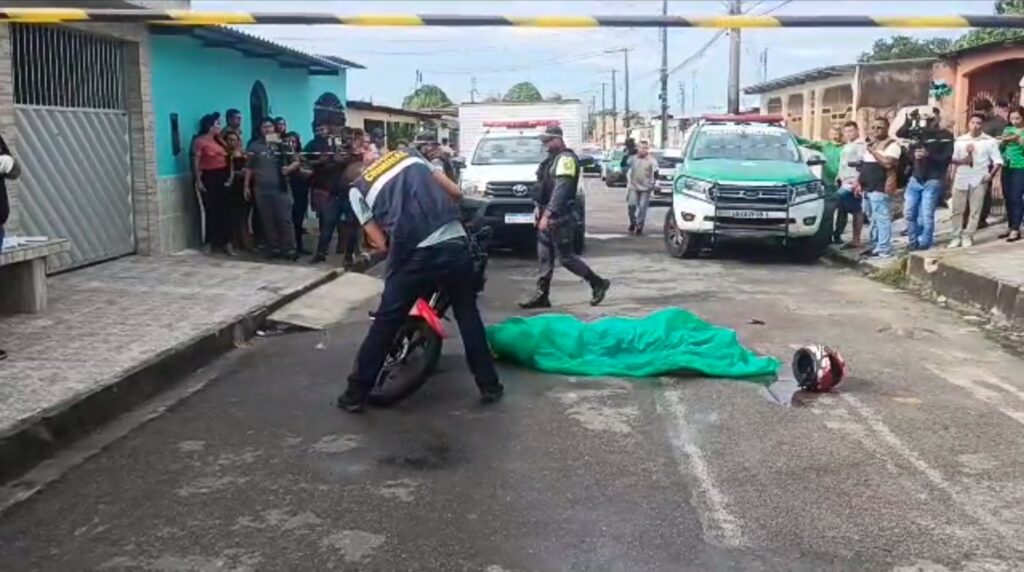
[
  {"x": 955, "y": 243},
  {"x": 968, "y": 242}
]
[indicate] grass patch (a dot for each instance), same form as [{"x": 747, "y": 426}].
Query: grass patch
[{"x": 894, "y": 275}]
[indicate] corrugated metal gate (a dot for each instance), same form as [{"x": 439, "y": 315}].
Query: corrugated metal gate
[{"x": 73, "y": 141}]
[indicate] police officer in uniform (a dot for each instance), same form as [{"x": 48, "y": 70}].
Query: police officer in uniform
[
  {"x": 555, "y": 198},
  {"x": 408, "y": 210}
]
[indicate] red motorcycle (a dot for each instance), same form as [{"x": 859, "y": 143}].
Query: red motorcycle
[{"x": 416, "y": 349}]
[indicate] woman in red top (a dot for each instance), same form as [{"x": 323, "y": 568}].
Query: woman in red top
[{"x": 212, "y": 176}]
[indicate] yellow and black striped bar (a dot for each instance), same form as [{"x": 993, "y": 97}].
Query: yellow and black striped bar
[{"x": 190, "y": 18}]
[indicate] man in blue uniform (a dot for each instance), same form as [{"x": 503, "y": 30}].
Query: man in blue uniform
[
  {"x": 408, "y": 210},
  {"x": 559, "y": 177}
]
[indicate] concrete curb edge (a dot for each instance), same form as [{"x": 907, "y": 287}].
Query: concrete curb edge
[{"x": 42, "y": 435}]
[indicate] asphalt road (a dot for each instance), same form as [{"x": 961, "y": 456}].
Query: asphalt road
[{"x": 917, "y": 463}]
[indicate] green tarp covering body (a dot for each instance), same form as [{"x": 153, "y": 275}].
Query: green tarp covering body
[{"x": 670, "y": 341}]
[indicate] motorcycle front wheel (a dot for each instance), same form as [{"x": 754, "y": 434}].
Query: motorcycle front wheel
[{"x": 412, "y": 357}]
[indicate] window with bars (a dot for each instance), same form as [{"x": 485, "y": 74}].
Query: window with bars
[{"x": 61, "y": 67}]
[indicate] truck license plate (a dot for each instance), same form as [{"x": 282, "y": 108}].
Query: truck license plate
[
  {"x": 518, "y": 218},
  {"x": 744, "y": 214}
]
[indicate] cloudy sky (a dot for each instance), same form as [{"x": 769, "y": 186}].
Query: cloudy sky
[{"x": 573, "y": 62}]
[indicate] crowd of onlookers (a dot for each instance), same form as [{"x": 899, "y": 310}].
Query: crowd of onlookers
[
  {"x": 935, "y": 169},
  {"x": 256, "y": 191}
]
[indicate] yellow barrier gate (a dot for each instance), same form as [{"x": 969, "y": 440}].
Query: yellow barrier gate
[{"x": 190, "y": 18}]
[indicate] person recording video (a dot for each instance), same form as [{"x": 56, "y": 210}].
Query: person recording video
[
  {"x": 931, "y": 150},
  {"x": 336, "y": 164},
  {"x": 271, "y": 161}
]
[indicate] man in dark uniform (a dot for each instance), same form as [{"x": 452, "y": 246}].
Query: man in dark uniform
[
  {"x": 408, "y": 210},
  {"x": 559, "y": 177}
]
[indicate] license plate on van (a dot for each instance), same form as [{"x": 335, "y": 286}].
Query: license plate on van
[{"x": 518, "y": 218}]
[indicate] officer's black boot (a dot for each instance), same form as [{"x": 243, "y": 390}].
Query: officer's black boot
[
  {"x": 539, "y": 299},
  {"x": 599, "y": 288},
  {"x": 355, "y": 397}
]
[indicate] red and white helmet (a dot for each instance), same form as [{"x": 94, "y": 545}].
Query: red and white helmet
[{"x": 818, "y": 368}]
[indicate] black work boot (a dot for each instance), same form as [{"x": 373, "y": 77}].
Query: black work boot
[
  {"x": 354, "y": 399},
  {"x": 599, "y": 289},
  {"x": 539, "y": 299},
  {"x": 491, "y": 392}
]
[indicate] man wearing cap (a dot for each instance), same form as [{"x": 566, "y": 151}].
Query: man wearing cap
[{"x": 555, "y": 198}]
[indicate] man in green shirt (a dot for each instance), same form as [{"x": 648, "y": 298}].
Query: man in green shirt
[{"x": 831, "y": 149}]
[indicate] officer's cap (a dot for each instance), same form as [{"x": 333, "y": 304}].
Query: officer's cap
[{"x": 551, "y": 132}]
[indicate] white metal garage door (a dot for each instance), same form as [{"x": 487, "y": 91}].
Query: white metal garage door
[{"x": 73, "y": 141}]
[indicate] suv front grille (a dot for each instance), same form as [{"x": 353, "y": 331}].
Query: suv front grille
[
  {"x": 516, "y": 189},
  {"x": 751, "y": 197}
]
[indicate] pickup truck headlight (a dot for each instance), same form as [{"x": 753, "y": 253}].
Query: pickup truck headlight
[
  {"x": 470, "y": 187},
  {"x": 695, "y": 188},
  {"x": 808, "y": 191}
]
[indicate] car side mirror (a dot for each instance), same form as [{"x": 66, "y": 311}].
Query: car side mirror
[{"x": 815, "y": 161}]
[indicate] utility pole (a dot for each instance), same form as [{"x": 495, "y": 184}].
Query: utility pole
[
  {"x": 615, "y": 114},
  {"x": 764, "y": 65},
  {"x": 625, "y": 54},
  {"x": 593, "y": 116},
  {"x": 735, "y": 9},
  {"x": 682, "y": 99},
  {"x": 472, "y": 90},
  {"x": 604, "y": 116},
  {"x": 693, "y": 90},
  {"x": 664, "y": 78}
]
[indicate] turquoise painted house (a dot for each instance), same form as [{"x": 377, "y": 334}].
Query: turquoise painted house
[{"x": 196, "y": 71}]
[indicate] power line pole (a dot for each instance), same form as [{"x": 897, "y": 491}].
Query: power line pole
[
  {"x": 664, "y": 78},
  {"x": 735, "y": 8},
  {"x": 625, "y": 55},
  {"x": 764, "y": 65},
  {"x": 472, "y": 90},
  {"x": 693, "y": 90},
  {"x": 682, "y": 99},
  {"x": 593, "y": 116},
  {"x": 615, "y": 114},
  {"x": 604, "y": 115}
]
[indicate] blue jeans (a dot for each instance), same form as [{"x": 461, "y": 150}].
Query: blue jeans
[
  {"x": 1013, "y": 190},
  {"x": 881, "y": 222},
  {"x": 335, "y": 214},
  {"x": 921, "y": 199},
  {"x": 1, "y": 237}
]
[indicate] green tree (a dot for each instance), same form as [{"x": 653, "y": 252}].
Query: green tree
[
  {"x": 427, "y": 96},
  {"x": 904, "y": 48},
  {"x": 523, "y": 91},
  {"x": 991, "y": 35}
]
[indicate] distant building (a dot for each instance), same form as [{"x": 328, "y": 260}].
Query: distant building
[
  {"x": 816, "y": 99},
  {"x": 394, "y": 122}
]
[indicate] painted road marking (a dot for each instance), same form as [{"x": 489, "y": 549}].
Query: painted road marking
[
  {"x": 970, "y": 506},
  {"x": 723, "y": 526}
]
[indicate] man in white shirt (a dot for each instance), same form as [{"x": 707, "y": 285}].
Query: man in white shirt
[
  {"x": 878, "y": 183},
  {"x": 977, "y": 160}
]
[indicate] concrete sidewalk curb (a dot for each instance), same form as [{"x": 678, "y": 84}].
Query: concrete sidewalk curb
[
  {"x": 1002, "y": 302},
  {"x": 34, "y": 439}
]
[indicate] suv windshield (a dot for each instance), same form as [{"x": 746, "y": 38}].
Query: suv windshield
[
  {"x": 744, "y": 144},
  {"x": 509, "y": 151}
]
